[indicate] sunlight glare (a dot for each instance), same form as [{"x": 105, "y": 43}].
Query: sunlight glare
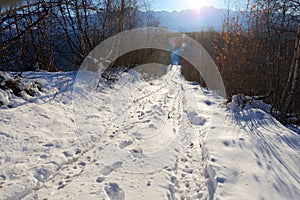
[{"x": 197, "y": 4}]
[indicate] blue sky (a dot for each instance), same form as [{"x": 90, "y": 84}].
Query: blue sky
[{"x": 171, "y": 5}]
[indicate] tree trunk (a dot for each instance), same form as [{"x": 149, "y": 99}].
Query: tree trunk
[
  {"x": 121, "y": 16},
  {"x": 290, "y": 88}
]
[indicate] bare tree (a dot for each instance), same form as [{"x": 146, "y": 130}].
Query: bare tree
[
  {"x": 264, "y": 38},
  {"x": 289, "y": 91},
  {"x": 282, "y": 19},
  {"x": 55, "y": 33},
  {"x": 19, "y": 23}
]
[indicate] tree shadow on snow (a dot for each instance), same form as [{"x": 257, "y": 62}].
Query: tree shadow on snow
[{"x": 276, "y": 148}]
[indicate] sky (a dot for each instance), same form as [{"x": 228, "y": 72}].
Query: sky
[{"x": 171, "y": 5}]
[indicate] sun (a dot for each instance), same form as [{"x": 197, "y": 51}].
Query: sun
[{"x": 197, "y": 4}]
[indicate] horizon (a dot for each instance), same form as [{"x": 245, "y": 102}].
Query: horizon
[{"x": 180, "y": 5}]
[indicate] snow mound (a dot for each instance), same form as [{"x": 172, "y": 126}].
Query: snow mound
[
  {"x": 253, "y": 152},
  {"x": 38, "y": 87}
]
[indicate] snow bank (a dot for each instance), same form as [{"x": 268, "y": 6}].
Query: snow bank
[
  {"x": 255, "y": 157},
  {"x": 37, "y": 87}
]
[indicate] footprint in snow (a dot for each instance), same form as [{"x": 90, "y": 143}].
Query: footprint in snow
[
  {"x": 195, "y": 119},
  {"x": 114, "y": 192},
  {"x": 109, "y": 169},
  {"x": 125, "y": 144},
  {"x": 100, "y": 179},
  {"x": 2, "y": 179},
  {"x": 137, "y": 153},
  {"x": 207, "y": 102}
]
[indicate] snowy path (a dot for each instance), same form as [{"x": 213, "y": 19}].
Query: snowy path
[
  {"x": 147, "y": 147},
  {"x": 143, "y": 158},
  {"x": 161, "y": 139}
]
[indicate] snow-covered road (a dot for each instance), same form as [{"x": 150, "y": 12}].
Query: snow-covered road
[{"x": 161, "y": 139}]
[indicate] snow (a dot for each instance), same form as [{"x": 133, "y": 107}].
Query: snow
[
  {"x": 4, "y": 97},
  {"x": 164, "y": 138}
]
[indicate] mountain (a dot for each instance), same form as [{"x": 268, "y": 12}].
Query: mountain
[
  {"x": 192, "y": 20},
  {"x": 208, "y": 18}
]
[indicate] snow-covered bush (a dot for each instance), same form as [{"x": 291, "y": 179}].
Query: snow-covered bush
[
  {"x": 17, "y": 86},
  {"x": 241, "y": 101}
]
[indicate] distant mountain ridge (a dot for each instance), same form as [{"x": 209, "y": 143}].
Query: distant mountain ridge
[
  {"x": 207, "y": 18},
  {"x": 192, "y": 20}
]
